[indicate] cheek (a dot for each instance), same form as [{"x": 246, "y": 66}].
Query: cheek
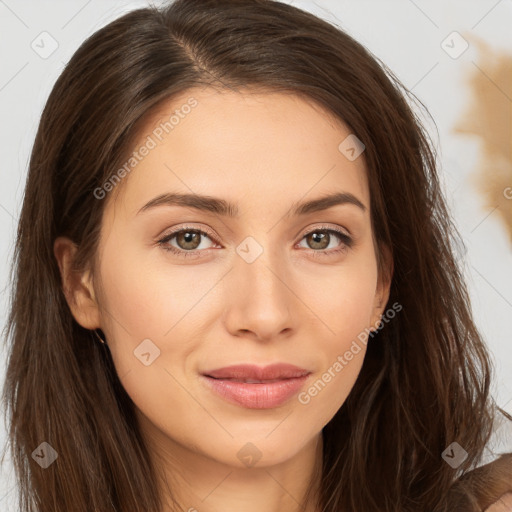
[
  {"x": 151, "y": 312},
  {"x": 345, "y": 305},
  {"x": 152, "y": 306},
  {"x": 342, "y": 356},
  {"x": 342, "y": 298},
  {"x": 148, "y": 298}
]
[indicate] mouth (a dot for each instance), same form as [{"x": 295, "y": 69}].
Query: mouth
[{"x": 255, "y": 387}]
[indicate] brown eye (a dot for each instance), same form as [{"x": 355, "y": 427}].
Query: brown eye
[
  {"x": 318, "y": 239},
  {"x": 188, "y": 240}
]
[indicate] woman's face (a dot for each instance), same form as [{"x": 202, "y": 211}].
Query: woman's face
[{"x": 263, "y": 282}]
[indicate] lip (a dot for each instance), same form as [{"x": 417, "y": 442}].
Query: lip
[{"x": 275, "y": 384}]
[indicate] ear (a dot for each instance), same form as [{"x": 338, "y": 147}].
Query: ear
[
  {"x": 77, "y": 286},
  {"x": 383, "y": 286}
]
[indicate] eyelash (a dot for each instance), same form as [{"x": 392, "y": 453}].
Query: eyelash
[{"x": 346, "y": 240}]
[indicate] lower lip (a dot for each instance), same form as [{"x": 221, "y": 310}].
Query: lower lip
[{"x": 256, "y": 396}]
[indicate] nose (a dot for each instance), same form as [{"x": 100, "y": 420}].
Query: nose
[{"x": 260, "y": 302}]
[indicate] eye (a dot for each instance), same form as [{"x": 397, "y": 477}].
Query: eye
[
  {"x": 321, "y": 238},
  {"x": 187, "y": 240}
]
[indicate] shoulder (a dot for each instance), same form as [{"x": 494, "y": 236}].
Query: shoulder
[
  {"x": 490, "y": 485},
  {"x": 504, "y": 504}
]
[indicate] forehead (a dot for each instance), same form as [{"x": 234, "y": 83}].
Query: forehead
[{"x": 264, "y": 148}]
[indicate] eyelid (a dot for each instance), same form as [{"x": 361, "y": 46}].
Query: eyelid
[
  {"x": 334, "y": 227},
  {"x": 175, "y": 230}
]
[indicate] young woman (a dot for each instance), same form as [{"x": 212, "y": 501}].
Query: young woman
[{"x": 235, "y": 285}]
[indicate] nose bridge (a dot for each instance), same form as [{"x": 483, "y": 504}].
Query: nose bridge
[
  {"x": 261, "y": 269},
  {"x": 258, "y": 295},
  {"x": 263, "y": 277}
]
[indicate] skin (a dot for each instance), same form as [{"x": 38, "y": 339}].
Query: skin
[
  {"x": 504, "y": 504},
  {"x": 264, "y": 152}
]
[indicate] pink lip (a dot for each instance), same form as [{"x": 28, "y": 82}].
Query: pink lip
[{"x": 280, "y": 382}]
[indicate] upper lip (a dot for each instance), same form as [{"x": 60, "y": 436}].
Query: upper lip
[{"x": 249, "y": 371}]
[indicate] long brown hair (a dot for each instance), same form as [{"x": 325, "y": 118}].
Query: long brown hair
[{"x": 425, "y": 382}]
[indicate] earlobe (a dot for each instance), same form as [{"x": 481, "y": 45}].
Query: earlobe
[{"x": 77, "y": 286}]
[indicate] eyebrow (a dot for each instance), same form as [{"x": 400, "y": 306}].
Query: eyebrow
[{"x": 225, "y": 208}]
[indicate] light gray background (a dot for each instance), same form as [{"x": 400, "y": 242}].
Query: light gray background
[{"x": 405, "y": 34}]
